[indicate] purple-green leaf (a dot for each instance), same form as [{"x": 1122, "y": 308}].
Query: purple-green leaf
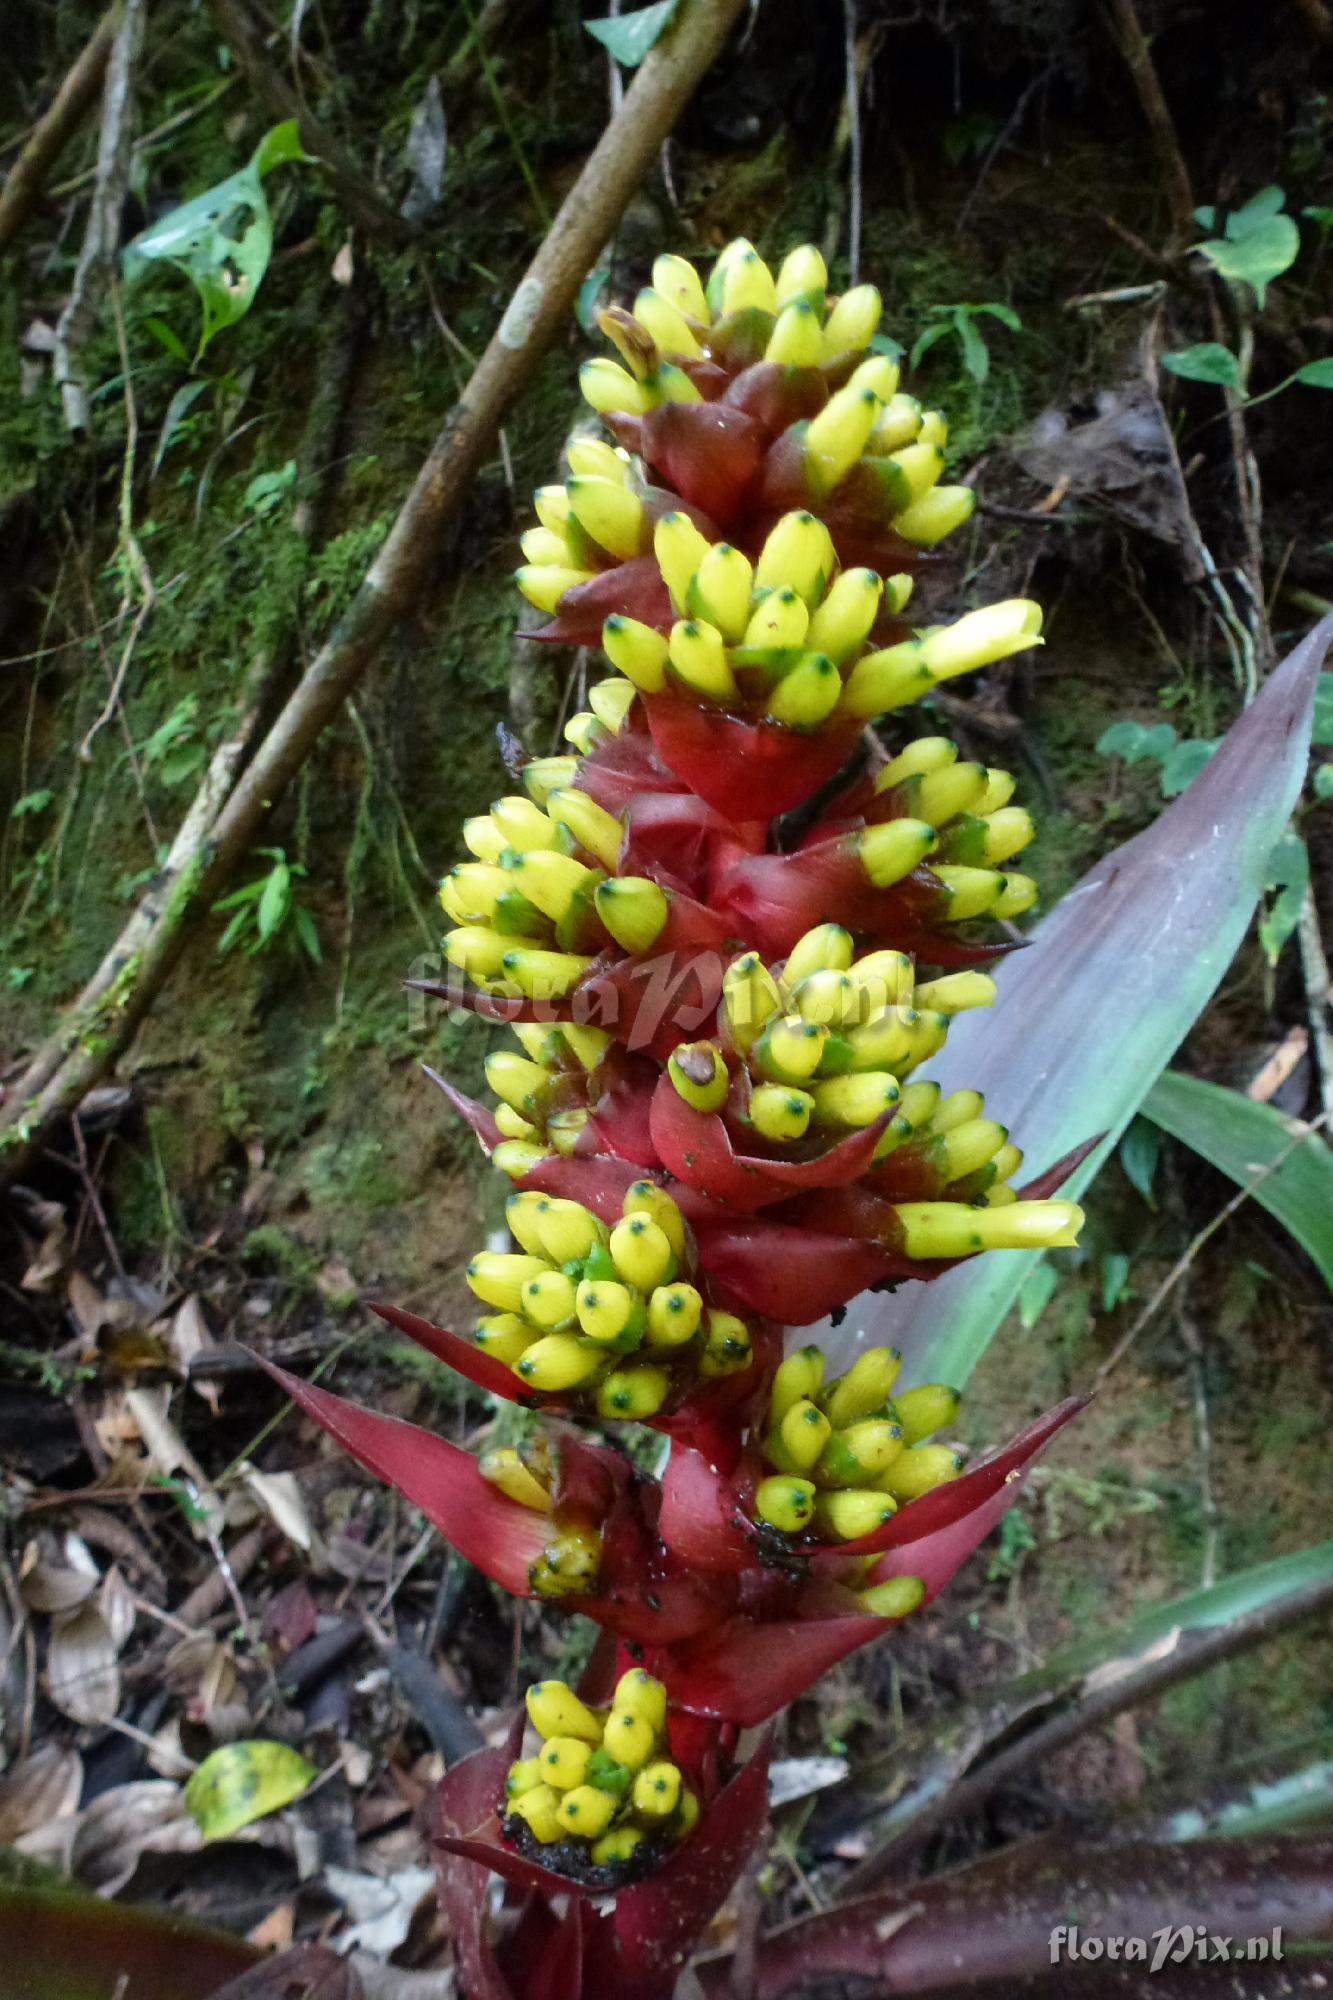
[{"x": 1090, "y": 1013}]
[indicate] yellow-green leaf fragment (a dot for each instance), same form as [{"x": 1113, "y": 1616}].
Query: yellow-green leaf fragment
[{"x": 242, "y": 1782}]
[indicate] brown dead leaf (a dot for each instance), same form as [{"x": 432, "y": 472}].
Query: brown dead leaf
[
  {"x": 189, "y": 1338},
  {"x": 145, "y": 1817},
  {"x": 87, "y": 1307},
  {"x": 282, "y": 1499},
  {"x": 169, "y": 1452},
  {"x": 82, "y": 1677},
  {"x": 116, "y": 1602},
  {"x": 201, "y": 1672},
  {"x": 48, "y": 1252},
  {"x": 52, "y": 1586},
  {"x": 39, "y": 1790},
  {"x": 275, "y": 1931}
]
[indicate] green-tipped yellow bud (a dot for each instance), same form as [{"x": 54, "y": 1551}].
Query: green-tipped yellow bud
[
  {"x": 504, "y": 1336},
  {"x": 797, "y": 340},
  {"x": 509, "y": 1124},
  {"x": 853, "y": 1512},
  {"x": 927, "y": 754},
  {"x": 469, "y": 892},
  {"x": 504, "y": 1469},
  {"x": 558, "y": 1362},
  {"x": 802, "y": 272},
  {"x": 564, "y": 1762},
  {"x": 615, "y": 1847},
  {"x": 666, "y": 325},
  {"x": 804, "y": 1432},
  {"x": 697, "y": 657},
  {"x": 999, "y": 791},
  {"x": 585, "y": 732},
  {"x": 611, "y": 701},
  {"x": 633, "y": 1394},
  {"x": 517, "y": 1157},
  {"x": 798, "y": 1377},
  {"x": 568, "y": 1563},
  {"x": 886, "y": 680},
  {"x": 935, "y": 515},
  {"x": 610, "y": 513},
  {"x": 798, "y": 554},
  {"x": 586, "y": 1811},
  {"x": 545, "y": 546},
  {"x": 809, "y": 693},
  {"x": 918, "y": 1104},
  {"x": 894, "y": 1599},
  {"x": 785, "y": 1503},
  {"x": 958, "y": 1108},
  {"x": 542, "y": 775},
  {"x": 633, "y": 909},
  {"x": 885, "y": 1041},
  {"x": 727, "y": 1345},
  {"x": 939, "y": 795},
  {"x": 498, "y": 1278},
  {"x": 933, "y": 430},
  {"x": 642, "y": 1253},
  {"x": 629, "y": 1737},
  {"x": 750, "y": 998},
  {"x": 553, "y": 508},
  {"x": 930, "y": 1229},
  {"x": 544, "y": 584},
  {"x": 789, "y": 1049},
  {"x": 555, "y": 1710},
  {"x": 880, "y": 373},
  {"x": 857, "y": 1099},
  {"x": 524, "y": 825},
  {"x": 593, "y": 458},
  {"x": 523, "y": 1776},
  {"x": 515, "y": 1080},
  {"x": 1007, "y": 1162},
  {"x": 925, "y": 1409},
  {"x": 478, "y": 952},
  {"x": 1017, "y": 896},
  {"x": 956, "y": 992},
  {"x": 835, "y": 439},
  {"x": 748, "y": 285},
  {"x": 781, "y": 621},
  {"x": 638, "y": 651},
  {"x": 548, "y": 1301},
  {"x": 828, "y": 947},
  {"x": 537, "y": 1809},
  {"x": 699, "y": 1075},
  {"x": 564, "y": 1128},
  {"x": 592, "y": 827},
  {"x": 566, "y": 1230},
  {"x": 852, "y": 321},
  {"x": 679, "y": 548},
  {"x": 720, "y": 591},
  {"x": 780, "y": 1112},
  {"x": 898, "y": 424},
  {"x": 482, "y": 837},
  {"x": 1006, "y": 832},
  {"x": 647, "y": 1198},
  {"x": 920, "y": 1471},
  {"x": 544, "y": 975},
  {"x": 970, "y": 1146},
  {"x": 588, "y": 1045},
  {"x": 674, "y": 1313},
  {"x": 972, "y": 892},
  {"x": 885, "y": 978},
  {"x": 992, "y": 633},
  {"x": 864, "y": 1389},
  {"x": 893, "y": 850},
  {"x": 676, "y": 279},
  {"x": 860, "y": 1453},
  {"x": 656, "y": 1792},
  {"x": 920, "y": 466},
  {"x": 831, "y": 998},
  {"x": 606, "y": 386},
  {"x": 606, "y": 1310},
  {"x": 637, "y": 1693},
  {"x": 840, "y": 624}
]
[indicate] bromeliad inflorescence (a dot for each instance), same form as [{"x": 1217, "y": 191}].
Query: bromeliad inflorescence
[{"x": 728, "y": 934}]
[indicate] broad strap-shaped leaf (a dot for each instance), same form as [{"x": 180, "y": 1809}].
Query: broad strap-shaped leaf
[
  {"x": 1112, "y": 979},
  {"x": 1241, "y": 1137}
]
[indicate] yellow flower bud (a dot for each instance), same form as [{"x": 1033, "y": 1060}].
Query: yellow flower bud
[
  {"x": 925, "y": 1409},
  {"x": 592, "y": 827},
  {"x": 748, "y": 284},
  {"x": 939, "y": 795},
  {"x": 545, "y": 546},
  {"x": 585, "y": 732},
  {"x": 981, "y": 637},
  {"x": 789, "y": 1049},
  {"x": 852, "y": 321},
  {"x": 504, "y": 1469},
  {"x": 544, "y": 584},
  {"x": 1007, "y": 1162},
  {"x": 595, "y": 459},
  {"x": 785, "y": 1503},
  {"x": 537, "y": 1809},
  {"x": 555, "y": 1710},
  {"x": 780, "y": 621},
  {"x": 633, "y": 909},
  {"x": 606, "y": 386},
  {"x": 958, "y": 1108},
  {"x": 831, "y": 999},
  {"x": 1004, "y": 833},
  {"x": 886, "y": 680},
  {"x": 803, "y": 271},
  {"x": 893, "y": 850},
  {"x": 608, "y": 511},
  {"x": 629, "y": 1737},
  {"x": 564, "y": 1762},
  {"x": 586, "y": 1811},
  {"x": 699, "y": 1075},
  {"x": 798, "y": 554},
  {"x": 1018, "y": 895},
  {"x": 919, "y": 466},
  {"x": 836, "y": 437},
  {"x": 569, "y": 1563},
  {"x": 638, "y": 651},
  {"x": 629, "y": 1395},
  {"x": 564, "y": 1127},
  {"x": 553, "y": 508},
  {"x": 998, "y": 792},
  {"x": 548, "y": 1301},
  {"x": 504, "y": 1336},
  {"x": 859, "y": 1453},
  {"x": 857, "y": 1099},
  {"x": 517, "y": 1157},
  {"x": 687, "y": 1815},
  {"x": 482, "y": 837},
  {"x": 498, "y": 1278},
  {"x": 515, "y": 1080},
  {"x": 968, "y": 1147},
  {"x": 727, "y": 1344},
  {"x": 544, "y": 975},
  {"x": 611, "y": 701},
  {"x": 750, "y": 998},
  {"x": 799, "y": 1376},
  {"x": 523, "y": 1776},
  {"x": 804, "y": 1432},
  {"x": 588, "y": 1045},
  {"x": 565, "y": 1229},
  {"x": 616, "y": 1846},
  {"x": 680, "y": 548},
  {"x": 478, "y": 952},
  {"x": 864, "y": 1389},
  {"x": 894, "y": 1599},
  {"x": 524, "y": 825},
  {"x": 647, "y": 1198},
  {"x": 641, "y": 1252},
  {"x": 920, "y": 1471},
  {"x": 541, "y": 776},
  {"x": 828, "y": 947},
  {"x": 780, "y": 1112},
  {"x": 637, "y": 1693},
  {"x": 697, "y": 657},
  {"x": 931, "y": 1229},
  {"x": 558, "y": 1362},
  {"x": 879, "y": 373},
  {"x": 606, "y": 1310},
  {"x": 665, "y": 324},
  {"x": 720, "y": 591},
  {"x": 797, "y": 339},
  {"x": 935, "y": 515},
  {"x": 807, "y": 693},
  {"x": 918, "y": 1103},
  {"x": 883, "y": 1042},
  {"x": 886, "y": 978},
  {"x": 853, "y": 1512},
  {"x": 676, "y": 279},
  {"x": 899, "y": 423},
  {"x": 674, "y": 1313},
  {"x": 842, "y": 621},
  {"x": 956, "y": 992},
  {"x": 656, "y": 1792}
]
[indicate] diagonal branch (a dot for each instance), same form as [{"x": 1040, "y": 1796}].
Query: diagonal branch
[
  {"x": 102, "y": 1023},
  {"x": 57, "y": 125}
]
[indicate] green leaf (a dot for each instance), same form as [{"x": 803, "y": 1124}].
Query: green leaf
[
  {"x": 884, "y": 343},
  {"x": 590, "y": 291},
  {"x": 177, "y": 410},
  {"x": 31, "y": 802},
  {"x": 1183, "y": 764},
  {"x": 1288, "y": 874},
  {"x": 306, "y": 933},
  {"x": 1323, "y": 217},
  {"x": 266, "y": 489},
  {"x": 1231, "y": 1132},
  {"x": 976, "y": 354},
  {"x": 1286, "y": 1804},
  {"x": 1035, "y": 1293},
  {"x": 1256, "y": 256},
  {"x": 1114, "y": 1275},
  {"x": 274, "y": 901},
  {"x": 1323, "y": 782},
  {"x": 1112, "y": 979},
  {"x": 1136, "y": 740},
  {"x": 1005, "y": 314},
  {"x": 1268, "y": 202},
  {"x": 927, "y": 338},
  {"x": 1322, "y": 729},
  {"x": 630, "y": 36},
  {"x": 1316, "y": 374},
  {"x": 280, "y": 144},
  {"x": 242, "y": 1782},
  {"x": 1208, "y": 362},
  {"x": 1139, "y": 1150},
  {"x": 167, "y": 337}
]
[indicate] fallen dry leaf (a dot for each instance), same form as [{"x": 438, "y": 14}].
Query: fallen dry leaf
[
  {"x": 38, "y": 1790},
  {"x": 281, "y": 1498},
  {"x": 145, "y": 1817},
  {"x": 82, "y": 1676}
]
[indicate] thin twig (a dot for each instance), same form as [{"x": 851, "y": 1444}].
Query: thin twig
[
  {"x": 54, "y": 129},
  {"x": 1210, "y": 1229},
  {"x": 852, "y": 89},
  {"x": 1135, "y": 49},
  {"x": 1318, "y": 995}
]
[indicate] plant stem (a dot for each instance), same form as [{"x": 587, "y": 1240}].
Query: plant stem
[{"x": 54, "y": 129}]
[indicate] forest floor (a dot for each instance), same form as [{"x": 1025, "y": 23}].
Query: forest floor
[{"x": 271, "y": 1156}]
